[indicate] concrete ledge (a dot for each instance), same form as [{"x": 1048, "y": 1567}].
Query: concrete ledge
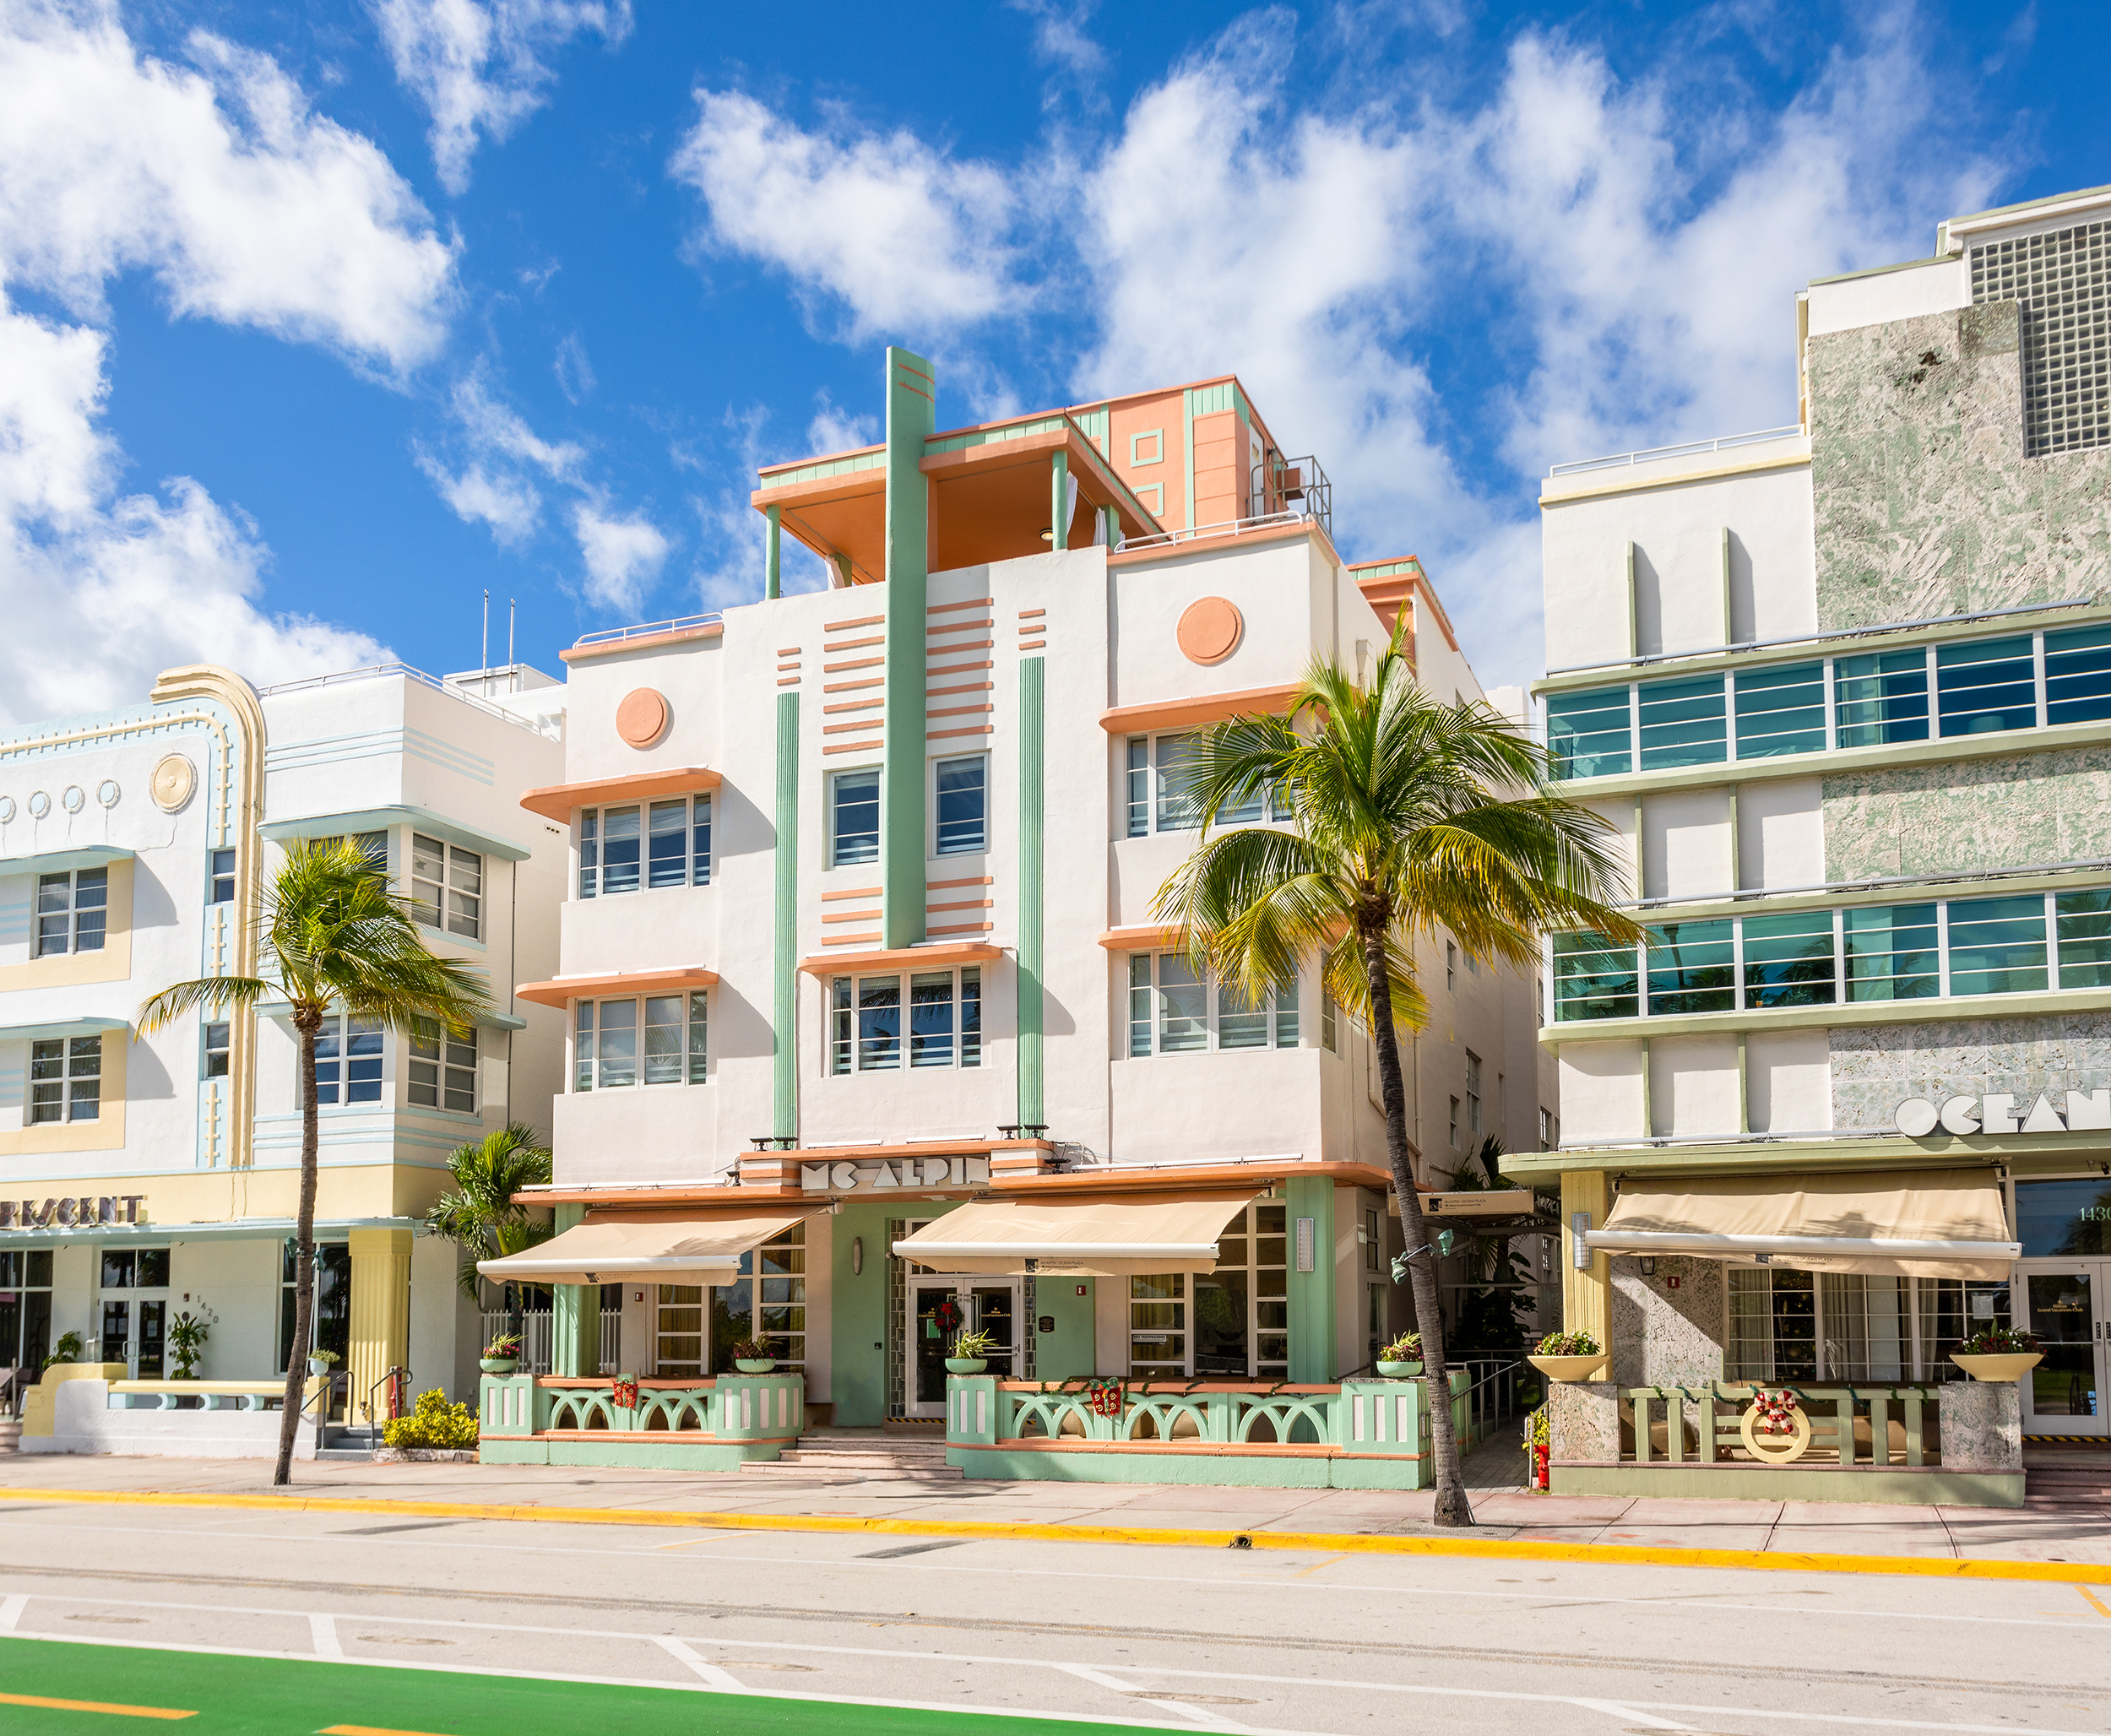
[
  {"x": 655, "y": 1451},
  {"x": 1307, "y": 1468},
  {"x": 1902, "y": 1485},
  {"x": 83, "y": 1423}
]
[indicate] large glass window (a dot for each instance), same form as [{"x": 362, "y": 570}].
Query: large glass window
[
  {"x": 854, "y": 832},
  {"x": 73, "y": 911},
  {"x": 348, "y": 1058},
  {"x": 944, "y": 1020},
  {"x": 1588, "y": 732},
  {"x": 1682, "y": 723},
  {"x": 2083, "y": 921},
  {"x": 660, "y": 843},
  {"x": 2078, "y": 675},
  {"x": 768, "y": 1302},
  {"x": 1997, "y": 945},
  {"x": 1692, "y": 968},
  {"x": 1175, "y": 756},
  {"x": 1880, "y": 697},
  {"x": 1242, "y": 1326},
  {"x": 1174, "y": 1010},
  {"x": 1158, "y": 1326},
  {"x": 447, "y": 887},
  {"x": 66, "y": 1079},
  {"x": 1891, "y": 951},
  {"x": 1987, "y": 685},
  {"x": 25, "y": 1308},
  {"x": 1788, "y": 959},
  {"x": 963, "y": 805},
  {"x": 332, "y": 1319},
  {"x": 1594, "y": 978},
  {"x": 444, "y": 1071},
  {"x": 606, "y": 1049},
  {"x": 1781, "y": 710}
]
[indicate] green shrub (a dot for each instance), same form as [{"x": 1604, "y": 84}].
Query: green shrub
[{"x": 434, "y": 1424}]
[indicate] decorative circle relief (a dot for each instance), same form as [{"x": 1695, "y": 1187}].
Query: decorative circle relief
[
  {"x": 1210, "y": 630},
  {"x": 7, "y": 809},
  {"x": 642, "y": 718},
  {"x": 107, "y": 792},
  {"x": 75, "y": 798},
  {"x": 174, "y": 779},
  {"x": 39, "y": 804}
]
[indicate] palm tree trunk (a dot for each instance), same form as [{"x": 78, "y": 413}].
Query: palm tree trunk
[
  {"x": 303, "y": 1257},
  {"x": 1451, "y": 1508}
]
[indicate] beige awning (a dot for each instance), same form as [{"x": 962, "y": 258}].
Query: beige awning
[
  {"x": 1919, "y": 1223},
  {"x": 1115, "y": 1236},
  {"x": 612, "y": 1247}
]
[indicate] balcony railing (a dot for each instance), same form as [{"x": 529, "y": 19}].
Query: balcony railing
[
  {"x": 537, "y": 1332},
  {"x": 649, "y": 629},
  {"x": 1847, "y": 1425},
  {"x": 737, "y": 1409}
]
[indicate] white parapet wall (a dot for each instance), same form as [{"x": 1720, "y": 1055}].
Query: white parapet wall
[{"x": 189, "y": 1420}]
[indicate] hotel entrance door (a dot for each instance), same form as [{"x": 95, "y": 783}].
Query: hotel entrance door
[
  {"x": 2070, "y": 1315},
  {"x": 941, "y": 1308}
]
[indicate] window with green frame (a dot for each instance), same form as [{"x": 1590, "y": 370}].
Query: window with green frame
[
  {"x": 2083, "y": 925},
  {"x": 1587, "y": 731},
  {"x": 1880, "y": 697},
  {"x": 1986, "y": 684},
  {"x": 1788, "y": 960},
  {"x": 2078, "y": 677},
  {"x": 1891, "y": 951},
  {"x": 1781, "y": 710},
  {"x": 1692, "y": 967},
  {"x": 1682, "y": 722},
  {"x": 1997, "y": 945},
  {"x": 1594, "y": 978}
]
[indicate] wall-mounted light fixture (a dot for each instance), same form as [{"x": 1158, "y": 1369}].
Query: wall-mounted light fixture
[{"x": 857, "y": 1255}]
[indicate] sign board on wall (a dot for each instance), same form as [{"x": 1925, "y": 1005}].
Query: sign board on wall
[
  {"x": 893, "y": 1173},
  {"x": 84, "y": 1212},
  {"x": 2003, "y": 1112}
]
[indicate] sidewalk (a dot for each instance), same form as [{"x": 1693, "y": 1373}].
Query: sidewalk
[{"x": 1893, "y": 1533}]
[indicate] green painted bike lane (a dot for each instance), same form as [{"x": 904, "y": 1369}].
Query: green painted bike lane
[{"x": 117, "y": 1688}]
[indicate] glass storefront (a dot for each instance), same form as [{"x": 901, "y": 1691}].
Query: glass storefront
[
  {"x": 333, "y": 1301},
  {"x": 25, "y": 1309}
]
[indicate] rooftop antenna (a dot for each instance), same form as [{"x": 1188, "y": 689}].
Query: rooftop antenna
[
  {"x": 484, "y": 652},
  {"x": 512, "y": 609}
]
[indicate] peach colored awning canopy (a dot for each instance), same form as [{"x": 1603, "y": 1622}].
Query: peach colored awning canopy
[
  {"x": 1086, "y": 1238},
  {"x": 670, "y": 980},
  {"x": 613, "y": 1247},
  {"x": 558, "y": 801},
  {"x": 1915, "y": 1223}
]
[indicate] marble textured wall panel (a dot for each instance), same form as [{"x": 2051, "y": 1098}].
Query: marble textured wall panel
[
  {"x": 1663, "y": 1337},
  {"x": 1582, "y": 1422},
  {"x": 1982, "y": 1425},
  {"x": 1924, "y": 503},
  {"x": 1876, "y": 1067},
  {"x": 2015, "y": 811}
]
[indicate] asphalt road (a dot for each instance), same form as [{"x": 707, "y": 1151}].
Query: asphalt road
[{"x": 1190, "y": 1638}]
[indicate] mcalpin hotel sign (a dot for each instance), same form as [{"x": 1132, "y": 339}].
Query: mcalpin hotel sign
[{"x": 2002, "y": 1112}]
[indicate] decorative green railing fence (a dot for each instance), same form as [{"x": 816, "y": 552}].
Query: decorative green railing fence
[
  {"x": 1847, "y": 1425},
  {"x": 557, "y": 1419}
]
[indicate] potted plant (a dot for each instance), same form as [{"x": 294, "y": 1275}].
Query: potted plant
[
  {"x": 751, "y": 1356},
  {"x": 67, "y": 1349},
  {"x": 1536, "y": 1448},
  {"x": 1401, "y": 1358},
  {"x": 1998, "y": 1354},
  {"x": 970, "y": 1353},
  {"x": 1568, "y": 1356},
  {"x": 501, "y": 1356},
  {"x": 187, "y": 1333},
  {"x": 320, "y": 1362}
]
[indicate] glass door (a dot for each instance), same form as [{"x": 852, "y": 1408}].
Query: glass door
[
  {"x": 939, "y": 1309},
  {"x": 2071, "y": 1321},
  {"x": 134, "y": 1321}
]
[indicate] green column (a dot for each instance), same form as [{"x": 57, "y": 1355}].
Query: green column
[
  {"x": 1033, "y": 715},
  {"x": 785, "y": 960},
  {"x": 773, "y": 556},
  {"x": 912, "y": 415},
  {"x": 575, "y": 1317},
  {"x": 1059, "y": 496},
  {"x": 1313, "y": 1314}
]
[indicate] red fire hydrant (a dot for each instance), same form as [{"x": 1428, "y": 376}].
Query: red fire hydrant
[{"x": 1539, "y": 1477}]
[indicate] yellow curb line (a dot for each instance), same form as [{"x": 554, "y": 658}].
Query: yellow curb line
[{"x": 1486, "y": 1548}]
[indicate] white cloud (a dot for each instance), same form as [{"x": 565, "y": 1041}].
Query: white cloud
[
  {"x": 510, "y": 505},
  {"x": 574, "y": 373},
  {"x": 623, "y": 555},
  {"x": 246, "y": 208},
  {"x": 247, "y": 211},
  {"x": 479, "y": 68},
  {"x": 1059, "y": 34},
  {"x": 903, "y": 237}
]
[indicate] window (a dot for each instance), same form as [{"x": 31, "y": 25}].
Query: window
[
  {"x": 73, "y": 911},
  {"x": 1997, "y": 945},
  {"x": 1454, "y": 1124},
  {"x": 1781, "y": 710},
  {"x": 2078, "y": 675},
  {"x": 1682, "y": 723},
  {"x": 944, "y": 1020},
  {"x": 1986, "y": 686},
  {"x": 1173, "y": 760},
  {"x": 1880, "y": 697},
  {"x": 1786, "y": 1325},
  {"x": 2083, "y": 924},
  {"x": 219, "y": 882},
  {"x": 1594, "y": 978},
  {"x": 652, "y": 844},
  {"x": 25, "y": 1307},
  {"x": 1136, "y": 776},
  {"x": 1330, "y": 1030},
  {"x": 333, "y": 1316},
  {"x": 1241, "y": 1310},
  {"x": 348, "y": 1057},
  {"x": 1472, "y": 1092},
  {"x": 444, "y": 1071},
  {"x": 1891, "y": 952},
  {"x": 1158, "y": 1326},
  {"x": 962, "y": 805},
  {"x": 766, "y": 1302},
  {"x": 215, "y": 1052},
  {"x": 372, "y": 845},
  {"x": 1546, "y": 1129},
  {"x": 855, "y": 818},
  {"x": 1154, "y": 773},
  {"x": 1692, "y": 967},
  {"x": 447, "y": 887},
  {"x": 1451, "y": 965},
  {"x": 1173, "y": 1011},
  {"x": 66, "y": 1079},
  {"x": 1588, "y": 732},
  {"x": 605, "y": 1049},
  {"x": 1788, "y": 960}
]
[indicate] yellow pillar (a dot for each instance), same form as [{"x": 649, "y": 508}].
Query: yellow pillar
[
  {"x": 381, "y": 1314},
  {"x": 1586, "y": 1294}
]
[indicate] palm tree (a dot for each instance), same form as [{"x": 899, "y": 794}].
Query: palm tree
[
  {"x": 334, "y": 937},
  {"x": 1413, "y": 819},
  {"x": 480, "y": 1215}
]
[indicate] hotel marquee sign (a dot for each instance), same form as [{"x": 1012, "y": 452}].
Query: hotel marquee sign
[
  {"x": 2002, "y": 1112},
  {"x": 82, "y": 1212},
  {"x": 893, "y": 1173}
]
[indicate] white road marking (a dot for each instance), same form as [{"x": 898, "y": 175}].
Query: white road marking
[
  {"x": 710, "y": 1672},
  {"x": 955, "y": 1565},
  {"x": 324, "y": 1629},
  {"x": 11, "y": 1610},
  {"x": 1201, "y": 1714},
  {"x": 1622, "y": 1708}
]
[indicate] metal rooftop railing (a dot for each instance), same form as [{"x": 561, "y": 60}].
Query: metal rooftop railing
[
  {"x": 382, "y": 671},
  {"x": 647, "y": 629},
  {"x": 1692, "y": 448}
]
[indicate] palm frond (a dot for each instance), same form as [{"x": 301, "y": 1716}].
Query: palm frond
[{"x": 214, "y": 994}]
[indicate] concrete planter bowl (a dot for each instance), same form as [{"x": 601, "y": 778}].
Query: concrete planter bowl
[
  {"x": 1568, "y": 1367},
  {"x": 2011, "y": 1365},
  {"x": 498, "y": 1365},
  {"x": 966, "y": 1364},
  {"x": 755, "y": 1365},
  {"x": 1399, "y": 1371}
]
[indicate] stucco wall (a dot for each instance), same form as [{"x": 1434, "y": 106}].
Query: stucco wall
[
  {"x": 2011, "y": 812},
  {"x": 1875, "y": 1067},
  {"x": 1663, "y": 1336}
]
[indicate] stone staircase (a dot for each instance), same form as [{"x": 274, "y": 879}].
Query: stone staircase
[
  {"x": 2061, "y": 1478},
  {"x": 873, "y": 1458}
]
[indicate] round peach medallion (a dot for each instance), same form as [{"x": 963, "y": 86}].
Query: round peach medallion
[
  {"x": 642, "y": 718},
  {"x": 1210, "y": 629}
]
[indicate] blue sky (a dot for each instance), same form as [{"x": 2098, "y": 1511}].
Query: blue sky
[{"x": 316, "y": 321}]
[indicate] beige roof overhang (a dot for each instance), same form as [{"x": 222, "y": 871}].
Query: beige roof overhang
[
  {"x": 613, "y": 1247},
  {"x": 1085, "y": 1238},
  {"x": 1914, "y": 1223}
]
